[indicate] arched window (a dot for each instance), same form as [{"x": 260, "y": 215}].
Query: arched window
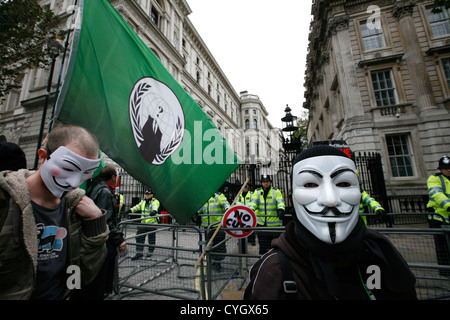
[
  {"x": 255, "y": 124},
  {"x": 247, "y": 124}
]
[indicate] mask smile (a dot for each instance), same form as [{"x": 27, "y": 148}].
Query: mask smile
[
  {"x": 335, "y": 212},
  {"x": 60, "y": 185}
]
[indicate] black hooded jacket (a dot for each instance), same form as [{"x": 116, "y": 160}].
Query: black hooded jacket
[{"x": 322, "y": 271}]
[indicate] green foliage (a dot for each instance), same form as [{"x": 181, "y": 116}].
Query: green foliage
[
  {"x": 438, "y": 4},
  {"x": 25, "y": 29},
  {"x": 302, "y": 131}
]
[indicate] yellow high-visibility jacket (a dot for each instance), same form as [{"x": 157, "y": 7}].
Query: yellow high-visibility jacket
[
  {"x": 213, "y": 209},
  {"x": 146, "y": 207},
  {"x": 367, "y": 200},
  {"x": 245, "y": 200},
  {"x": 266, "y": 210},
  {"x": 439, "y": 197}
]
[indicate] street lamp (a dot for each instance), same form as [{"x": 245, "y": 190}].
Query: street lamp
[
  {"x": 55, "y": 49},
  {"x": 290, "y": 126}
]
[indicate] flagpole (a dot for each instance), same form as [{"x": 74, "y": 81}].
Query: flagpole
[
  {"x": 218, "y": 228},
  {"x": 66, "y": 45},
  {"x": 55, "y": 48}
]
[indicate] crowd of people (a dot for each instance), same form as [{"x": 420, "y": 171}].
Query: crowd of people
[{"x": 47, "y": 223}]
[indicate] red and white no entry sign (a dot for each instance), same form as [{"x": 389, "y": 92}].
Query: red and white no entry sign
[{"x": 239, "y": 216}]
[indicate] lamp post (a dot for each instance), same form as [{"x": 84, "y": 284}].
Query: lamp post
[
  {"x": 55, "y": 49},
  {"x": 292, "y": 147},
  {"x": 290, "y": 143}
]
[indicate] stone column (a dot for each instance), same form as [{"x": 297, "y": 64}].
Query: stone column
[
  {"x": 413, "y": 56},
  {"x": 350, "y": 91}
]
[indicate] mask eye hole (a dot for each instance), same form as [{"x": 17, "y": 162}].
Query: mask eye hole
[
  {"x": 344, "y": 184},
  {"x": 310, "y": 185}
]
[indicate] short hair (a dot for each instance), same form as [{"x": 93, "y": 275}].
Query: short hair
[
  {"x": 107, "y": 172},
  {"x": 71, "y": 134}
]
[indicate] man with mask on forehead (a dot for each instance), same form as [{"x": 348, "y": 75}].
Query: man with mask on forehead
[
  {"x": 47, "y": 223},
  {"x": 327, "y": 252}
]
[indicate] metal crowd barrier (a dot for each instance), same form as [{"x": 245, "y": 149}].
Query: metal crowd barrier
[
  {"x": 170, "y": 272},
  {"x": 417, "y": 246}
]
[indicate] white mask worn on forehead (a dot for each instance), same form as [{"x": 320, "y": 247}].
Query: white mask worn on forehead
[
  {"x": 66, "y": 170},
  {"x": 326, "y": 196}
]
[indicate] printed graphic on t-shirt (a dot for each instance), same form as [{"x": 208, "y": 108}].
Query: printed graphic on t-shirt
[{"x": 50, "y": 240}]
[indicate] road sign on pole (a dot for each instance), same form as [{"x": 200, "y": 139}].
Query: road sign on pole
[{"x": 239, "y": 216}]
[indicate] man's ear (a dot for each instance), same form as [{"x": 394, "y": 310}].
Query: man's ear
[{"x": 42, "y": 153}]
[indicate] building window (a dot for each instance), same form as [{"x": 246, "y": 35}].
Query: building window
[
  {"x": 247, "y": 124},
  {"x": 372, "y": 36},
  {"x": 255, "y": 124},
  {"x": 383, "y": 87},
  {"x": 257, "y": 149},
  {"x": 154, "y": 16},
  {"x": 446, "y": 64},
  {"x": 439, "y": 22},
  {"x": 247, "y": 149},
  {"x": 400, "y": 156},
  {"x": 12, "y": 100}
]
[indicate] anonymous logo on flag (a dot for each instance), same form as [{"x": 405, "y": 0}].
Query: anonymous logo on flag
[{"x": 157, "y": 120}]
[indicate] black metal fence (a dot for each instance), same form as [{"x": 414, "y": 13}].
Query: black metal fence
[{"x": 369, "y": 166}]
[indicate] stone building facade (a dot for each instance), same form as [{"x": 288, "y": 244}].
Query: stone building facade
[
  {"x": 378, "y": 76},
  {"x": 165, "y": 27}
]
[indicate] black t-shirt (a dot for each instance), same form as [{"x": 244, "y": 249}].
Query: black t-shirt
[{"x": 52, "y": 251}]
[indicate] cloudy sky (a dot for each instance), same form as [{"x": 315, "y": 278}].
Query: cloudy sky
[{"x": 261, "y": 47}]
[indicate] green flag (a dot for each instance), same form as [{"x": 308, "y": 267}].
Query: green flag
[{"x": 118, "y": 89}]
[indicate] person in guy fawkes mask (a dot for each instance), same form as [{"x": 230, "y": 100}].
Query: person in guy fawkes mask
[
  {"x": 327, "y": 252},
  {"x": 47, "y": 223}
]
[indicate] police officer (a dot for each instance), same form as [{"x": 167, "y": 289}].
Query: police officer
[
  {"x": 211, "y": 214},
  {"x": 245, "y": 196},
  {"x": 148, "y": 208},
  {"x": 269, "y": 207},
  {"x": 367, "y": 200},
  {"x": 438, "y": 186}
]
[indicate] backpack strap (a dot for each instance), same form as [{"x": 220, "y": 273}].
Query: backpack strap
[{"x": 289, "y": 284}]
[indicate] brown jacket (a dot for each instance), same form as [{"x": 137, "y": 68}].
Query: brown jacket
[{"x": 18, "y": 241}]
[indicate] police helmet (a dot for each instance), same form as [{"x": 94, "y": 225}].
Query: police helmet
[{"x": 444, "y": 163}]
